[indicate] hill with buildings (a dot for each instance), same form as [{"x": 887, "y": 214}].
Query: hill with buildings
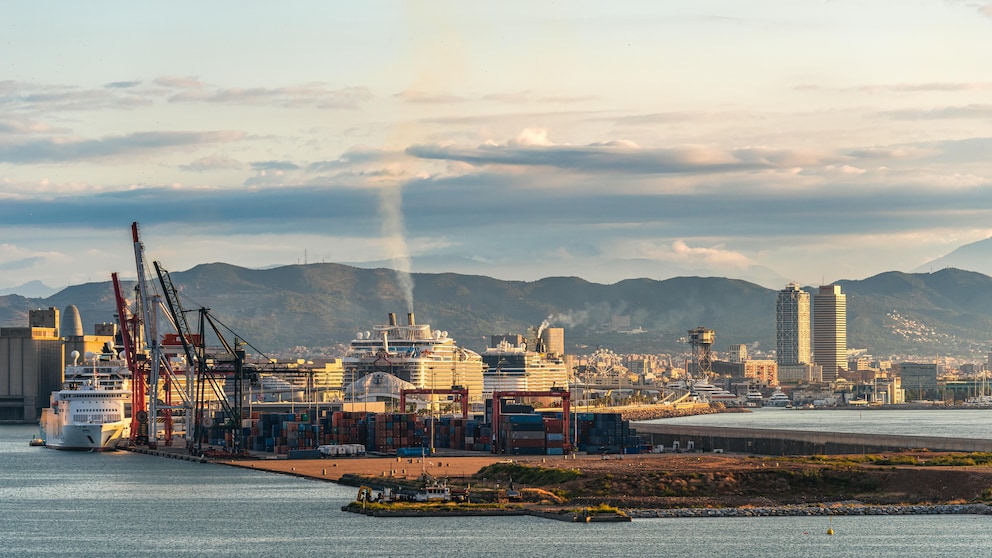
[{"x": 322, "y": 306}]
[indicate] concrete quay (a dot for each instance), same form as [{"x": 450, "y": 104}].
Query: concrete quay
[{"x": 762, "y": 441}]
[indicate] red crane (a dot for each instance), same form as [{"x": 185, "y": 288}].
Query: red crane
[
  {"x": 565, "y": 397},
  {"x": 130, "y": 330}
]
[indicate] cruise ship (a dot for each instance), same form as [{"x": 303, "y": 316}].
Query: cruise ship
[
  {"x": 513, "y": 368},
  {"x": 415, "y": 354},
  {"x": 92, "y": 411}
]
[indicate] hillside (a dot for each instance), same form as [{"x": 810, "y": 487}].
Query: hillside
[{"x": 323, "y": 305}]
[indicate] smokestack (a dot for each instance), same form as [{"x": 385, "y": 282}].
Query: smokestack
[
  {"x": 409, "y": 318},
  {"x": 392, "y": 318}
]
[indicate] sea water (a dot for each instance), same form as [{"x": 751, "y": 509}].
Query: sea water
[
  {"x": 55, "y": 503},
  {"x": 942, "y": 423}
]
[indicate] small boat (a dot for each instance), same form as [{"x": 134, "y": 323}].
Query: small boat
[
  {"x": 37, "y": 441},
  {"x": 433, "y": 491}
]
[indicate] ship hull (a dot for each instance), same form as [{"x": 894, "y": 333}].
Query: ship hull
[{"x": 88, "y": 437}]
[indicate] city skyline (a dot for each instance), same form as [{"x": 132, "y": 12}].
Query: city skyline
[{"x": 773, "y": 141}]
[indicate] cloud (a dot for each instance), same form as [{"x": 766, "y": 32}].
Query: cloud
[
  {"x": 213, "y": 162},
  {"x": 26, "y": 97},
  {"x": 524, "y": 97},
  {"x": 533, "y": 148},
  {"x": 180, "y": 82},
  {"x": 922, "y": 87},
  {"x": 274, "y": 165},
  {"x": 25, "y": 263},
  {"x": 122, "y": 84},
  {"x": 81, "y": 149},
  {"x": 414, "y": 96},
  {"x": 19, "y": 125},
  {"x": 975, "y": 111},
  {"x": 711, "y": 256},
  {"x": 309, "y": 95}
]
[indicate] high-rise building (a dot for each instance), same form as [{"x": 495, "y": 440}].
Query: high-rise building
[
  {"x": 792, "y": 341},
  {"x": 830, "y": 330}
]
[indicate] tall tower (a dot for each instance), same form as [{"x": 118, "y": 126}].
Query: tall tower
[
  {"x": 701, "y": 341},
  {"x": 830, "y": 330},
  {"x": 792, "y": 342}
]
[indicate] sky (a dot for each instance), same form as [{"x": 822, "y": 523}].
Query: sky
[{"x": 775, "y": 141}]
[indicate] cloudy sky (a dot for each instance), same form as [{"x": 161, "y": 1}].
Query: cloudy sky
[{"x": 793, "y": 139}]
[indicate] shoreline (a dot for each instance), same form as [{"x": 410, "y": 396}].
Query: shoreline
[
  {"x": 846, "y": 508},
  {"x": 851, "y": 509}
]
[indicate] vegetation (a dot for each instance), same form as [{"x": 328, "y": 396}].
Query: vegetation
[
  {"x": 948, "y": 460},
  {"x": 524, "y": 474}
]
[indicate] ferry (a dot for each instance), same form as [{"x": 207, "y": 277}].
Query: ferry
[{"x": 92, "y": 412}]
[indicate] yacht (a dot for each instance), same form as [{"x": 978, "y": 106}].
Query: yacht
[{"x": 778, "y": 399}]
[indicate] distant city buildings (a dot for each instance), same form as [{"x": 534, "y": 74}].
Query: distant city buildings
[
  {"x": 792, "y": 321},
  {"x": 830, "y": 330},
  {"x": 919, "y": 380}
]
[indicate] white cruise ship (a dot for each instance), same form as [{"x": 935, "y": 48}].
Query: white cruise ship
[
  {"x": 514, "y": 368},
  {"x": 414, "y": 354},
  {"x": 93, "y": 410}
]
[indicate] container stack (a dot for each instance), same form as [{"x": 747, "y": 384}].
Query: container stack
[
  {"x": 522, "y": 434},
  {"x": 554, "y": 436},
  {"x": 348, "y": 427},
  {"x": 391, "y": 431},
  {"x": 606, "y": 433}
]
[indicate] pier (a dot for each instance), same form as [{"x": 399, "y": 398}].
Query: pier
[{"x": 763, "y": 441}]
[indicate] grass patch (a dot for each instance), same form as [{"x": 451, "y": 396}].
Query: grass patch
[{"x": 523, "y": 474}]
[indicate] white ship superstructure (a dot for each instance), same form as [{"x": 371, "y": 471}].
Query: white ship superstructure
[
  {"x": 415, "y": 354},
  {"x": 93, "y": 410},
  {"x": 514, "y": 368}
]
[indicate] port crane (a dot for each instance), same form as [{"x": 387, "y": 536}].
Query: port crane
[
  {"x": 558, "y": 393},
  {"x": 229, "y": 363}
]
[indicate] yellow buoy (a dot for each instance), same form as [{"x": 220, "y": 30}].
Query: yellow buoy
[{"x": 830, "y": 531}]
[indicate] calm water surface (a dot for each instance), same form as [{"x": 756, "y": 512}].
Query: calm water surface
[
  {"x": 947, "y": 423},
  {"x": 125, "y": 504}
]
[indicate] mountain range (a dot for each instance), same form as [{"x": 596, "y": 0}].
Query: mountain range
[
  {"x": 976, "y": 256},
  {"x": 322, "y": 306}
]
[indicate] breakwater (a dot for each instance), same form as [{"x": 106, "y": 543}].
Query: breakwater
[
  {"x": 802, "y": 511},
  {"x": 795, "y": 442}
]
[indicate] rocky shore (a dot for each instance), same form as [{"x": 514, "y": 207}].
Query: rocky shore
[
  {"x": 802, "y": 511},
  {"x": 661, "y": 412}
]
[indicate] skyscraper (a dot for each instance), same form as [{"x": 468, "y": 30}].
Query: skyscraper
[
  {"x": 830, "y": 330},
  {"x": 792, "y": 342}
]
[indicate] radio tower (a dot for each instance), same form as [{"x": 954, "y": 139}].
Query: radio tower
[{"x": 701, "y": 341}]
